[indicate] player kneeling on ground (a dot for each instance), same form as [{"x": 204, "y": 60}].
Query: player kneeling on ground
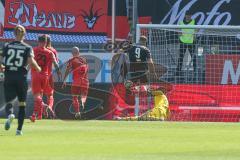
[
  {"x": 78, "y": 66},
  {"x": 160, "y": 110}
]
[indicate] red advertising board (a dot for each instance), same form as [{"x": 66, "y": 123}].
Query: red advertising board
[
  {"x": 58, "y": 15},
  {"x": 222, "y": 69}
]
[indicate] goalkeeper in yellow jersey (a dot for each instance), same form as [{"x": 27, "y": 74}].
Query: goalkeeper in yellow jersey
[{"x": 159, "y": 112}]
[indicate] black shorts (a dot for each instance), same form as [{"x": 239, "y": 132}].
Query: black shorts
[{"x": 15, "y": 88}]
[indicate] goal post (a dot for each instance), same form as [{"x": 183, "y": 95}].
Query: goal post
[{"x": 205, "y": 73}]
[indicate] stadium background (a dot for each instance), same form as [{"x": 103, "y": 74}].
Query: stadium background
[{"x": 66, "y": 34}]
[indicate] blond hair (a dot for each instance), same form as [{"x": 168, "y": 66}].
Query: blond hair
[{"x": 19, "y": 30}]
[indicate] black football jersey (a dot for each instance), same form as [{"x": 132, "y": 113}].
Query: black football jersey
[
  {"x": 138, "y": 56},
  {"x": 15, "y": 56}
]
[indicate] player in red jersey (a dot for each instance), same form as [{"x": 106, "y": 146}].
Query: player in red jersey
[
  {"x": 79, "y": 67},
  {"x": 44, "y": 58},
  {"x": 48, "y": 91}
]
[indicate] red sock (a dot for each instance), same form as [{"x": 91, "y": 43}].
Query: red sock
[
  {"x": 40, "y": 113},
  {"x": 50, "y": 101},
  {"x": 75, "y": 104},
  {"x": 38, "y": 107}
]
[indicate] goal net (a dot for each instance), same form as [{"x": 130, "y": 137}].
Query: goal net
[{"x": 203, "y": 67}]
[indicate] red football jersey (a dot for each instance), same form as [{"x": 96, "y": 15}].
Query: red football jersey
[
  {"x": 44, "y": 58},
  {"x": 56, "y": 57},
  {"x": 79, "y": 67}
]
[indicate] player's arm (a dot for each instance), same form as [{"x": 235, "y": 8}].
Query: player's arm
[
  {"x": 67, "y": 71},
  {"x": 33, "y": 64},
  {"x": 55, "y": 63},
  {"x": 31, "y": 61},
  {"x": 56, "y": 55},
  {"x": 2, "y": 67}
]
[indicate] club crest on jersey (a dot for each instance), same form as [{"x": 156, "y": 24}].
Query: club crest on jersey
[{"x": 91, "y": 17}]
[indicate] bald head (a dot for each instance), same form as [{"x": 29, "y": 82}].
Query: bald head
[{"x": 75, "y": 51}]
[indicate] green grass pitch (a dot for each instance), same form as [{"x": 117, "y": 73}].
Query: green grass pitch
[{"x": 115, "y": 140}]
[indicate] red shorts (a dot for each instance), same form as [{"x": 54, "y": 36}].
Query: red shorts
[
  {"x": 80, "y": 88},
  {"x": 39, "y": 82},
  {"x": 48, "y": 90}
]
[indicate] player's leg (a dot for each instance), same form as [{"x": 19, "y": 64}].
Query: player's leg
[
  {"x": 10, "y": 94},
  {"x": 84, "y": 92},
  {"x": 76, "y": 106},
  {"x": 22, "y": 95},
  {"x": 83, "y": 100},
  {"x": 50, "y": 102},
  {"x": 44, "y": 83},
  {"x": 37, "y": 89},
  {"x": 75, "y": 91},
  {"x": 48, "y": 108},
  {"x": 38, "y": 107},
  {"x": 48, "y": 91}
]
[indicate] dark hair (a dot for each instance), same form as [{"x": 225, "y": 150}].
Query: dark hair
[{"x": 42, "y": 38}]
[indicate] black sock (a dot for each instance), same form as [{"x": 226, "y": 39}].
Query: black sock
[
  {"x": 9, "y": 109},
  {"x": 21, "y": 116}
]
